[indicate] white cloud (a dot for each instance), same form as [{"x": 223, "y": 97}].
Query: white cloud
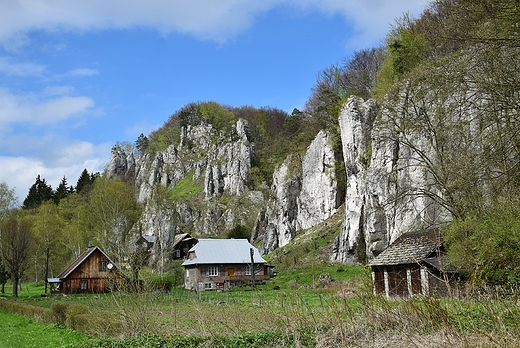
[
  {"x": 204, "y": 19},
  {"x": 39, "y": 110},
  {"x": 20, "y": 69},
  {"x": 83, "y": 72},
  {"x": 21, "y": 172}
]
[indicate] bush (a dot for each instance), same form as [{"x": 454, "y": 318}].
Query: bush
[
  {"x": 73, "y": 320},
  {"x": 37, "y": 313},
  {"x": 162, "y": 285},
  {"x": 59, "y": 312}
]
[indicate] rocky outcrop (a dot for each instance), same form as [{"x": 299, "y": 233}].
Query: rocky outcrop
[
  {"x": 304, "y": 193},
  {"x": 382, "y": 175},
  {"x": 182, "y": 188}
]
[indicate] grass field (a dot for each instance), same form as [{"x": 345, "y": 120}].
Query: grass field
[
  {"x": 293, "y": 310},
  {"x": 17, "y": 331}
]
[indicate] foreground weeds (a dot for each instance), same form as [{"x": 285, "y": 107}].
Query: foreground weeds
[{"x": 340, "y": 315}]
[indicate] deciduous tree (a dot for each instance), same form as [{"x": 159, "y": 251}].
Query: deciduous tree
[{"x": 15, "y": 247}]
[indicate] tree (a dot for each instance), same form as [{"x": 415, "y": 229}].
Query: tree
[
  {"x": 239, "y": 232},
  {"x": 485, "y": 246},
  {"x": 62, "y": 191},
  {"x": 7, "y": 200},
  {"x": 4, "y": 276},
  {"x": 15, "y": 248},
  {"x": 141, "y": 144},
  {"x": 85, "y": 182},
  {"x": 39, "y": 192},
  {"x": 110, "y": 214}
]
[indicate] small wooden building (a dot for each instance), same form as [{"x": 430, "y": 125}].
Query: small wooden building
[
  {"x": 223, "y": 264},
  {"x": 181, "y": 244},
  {"x": 91, "y": 272},
  {"x": 414, "y": 264}
]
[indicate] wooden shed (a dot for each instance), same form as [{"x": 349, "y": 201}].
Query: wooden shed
[
  {"x": 91, "y": 272},
  {"x": 415, "y": 264},
  {"x": 181, "y": 244}
]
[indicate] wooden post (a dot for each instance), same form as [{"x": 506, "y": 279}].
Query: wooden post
[{"x": 252, "y": 252}]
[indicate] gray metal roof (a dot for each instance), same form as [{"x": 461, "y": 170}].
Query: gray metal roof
[
  {"x": 149, "y": 239},
  {"x": 223, "y": 251},
  {"x": 410, "y": 247}
]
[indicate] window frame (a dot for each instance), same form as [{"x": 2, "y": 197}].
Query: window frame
[{"x": 213, "y": 271}]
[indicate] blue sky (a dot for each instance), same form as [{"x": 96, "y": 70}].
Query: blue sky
[{"x": 78, "y": 76}]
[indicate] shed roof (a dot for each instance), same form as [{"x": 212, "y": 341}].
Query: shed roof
[
  {"x": 410, "y": 247},
  {"x": 80, "y": 260},
  {"x": 223, "y": 251}
]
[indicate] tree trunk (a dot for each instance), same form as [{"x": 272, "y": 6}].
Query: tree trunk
[{"x": 14, "y": 280}]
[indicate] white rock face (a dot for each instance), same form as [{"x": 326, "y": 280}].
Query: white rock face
[
  {"x": 318, "y": 197},
  {"x": 302, "y": 195},
  {"x": 279, "y": 220},
  {"x": 216, "y": 162},
  {"x": 381, "y": 178}
]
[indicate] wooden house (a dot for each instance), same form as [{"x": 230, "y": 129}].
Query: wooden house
[
  {"x": 181, "y": 244},
  {"x": 223, "y": 264},
  {"x": 91, "y": 272},
  {"x": 414, "y": 264},
  {"x": 145, "y": 243}
]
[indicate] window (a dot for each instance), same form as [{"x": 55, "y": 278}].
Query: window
[
  {"x": 212, "y": 271},
  {"x": 102, "y": 266},
  {"x": 248, "y": 270},
  {"x": 83, "y": 285},
  {"x": 207, "y": 286}
]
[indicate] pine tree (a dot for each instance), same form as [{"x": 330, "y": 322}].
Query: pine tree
[
  {"x": 39, "y": 192},
  {"x": 141, "y": 144},
  {"x": 62, "y": 191},
  {"x": 85, "y": 181}
]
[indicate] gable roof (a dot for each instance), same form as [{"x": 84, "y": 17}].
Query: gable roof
[
  {"x": 85, "y": 255},
  {"x": 148, "y": 238},
  {"x": 223, "y": 251},
  {"x": 182, "y": 237},
  {"x": 410, "y": 247}
]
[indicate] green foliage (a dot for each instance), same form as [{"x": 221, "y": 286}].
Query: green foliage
[
  {"x": 185, "y": 188},
  {"x": 239, "y": 232},
  {"x": 141, "y": 144},
  {"x": 39, "y": 192},
  {"x": 19, "y": 331},
  {"x": 59, "y": 312},
  {"x": 485, "y": 246},
  {"x": 73, "y": 316}
]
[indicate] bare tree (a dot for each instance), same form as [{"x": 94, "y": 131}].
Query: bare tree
[{"x": 15, "y": 243}]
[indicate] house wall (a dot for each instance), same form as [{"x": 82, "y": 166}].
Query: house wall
[
  {"x": 89, "y": 273},
  {"x": 408, "y": 280},
  {"x": 211, "y": 277}
]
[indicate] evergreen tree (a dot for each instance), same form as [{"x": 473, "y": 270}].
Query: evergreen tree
[
  {"x": 62, "y": 191},
  {"x": 141, "y": 144},
  {"x": 85, "y": 181},
  {"x": 39, "y": 192}
]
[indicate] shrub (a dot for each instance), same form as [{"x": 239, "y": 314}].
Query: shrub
[
  {"x": 37, "y": 313},
  {"x": 73, "y": 319},
  {"x": 59, "y": 312}
]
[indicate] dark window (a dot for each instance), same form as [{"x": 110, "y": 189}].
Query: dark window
[
  {"x": 83, "y": 285},
  {"x": 102, "y": 266}
]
